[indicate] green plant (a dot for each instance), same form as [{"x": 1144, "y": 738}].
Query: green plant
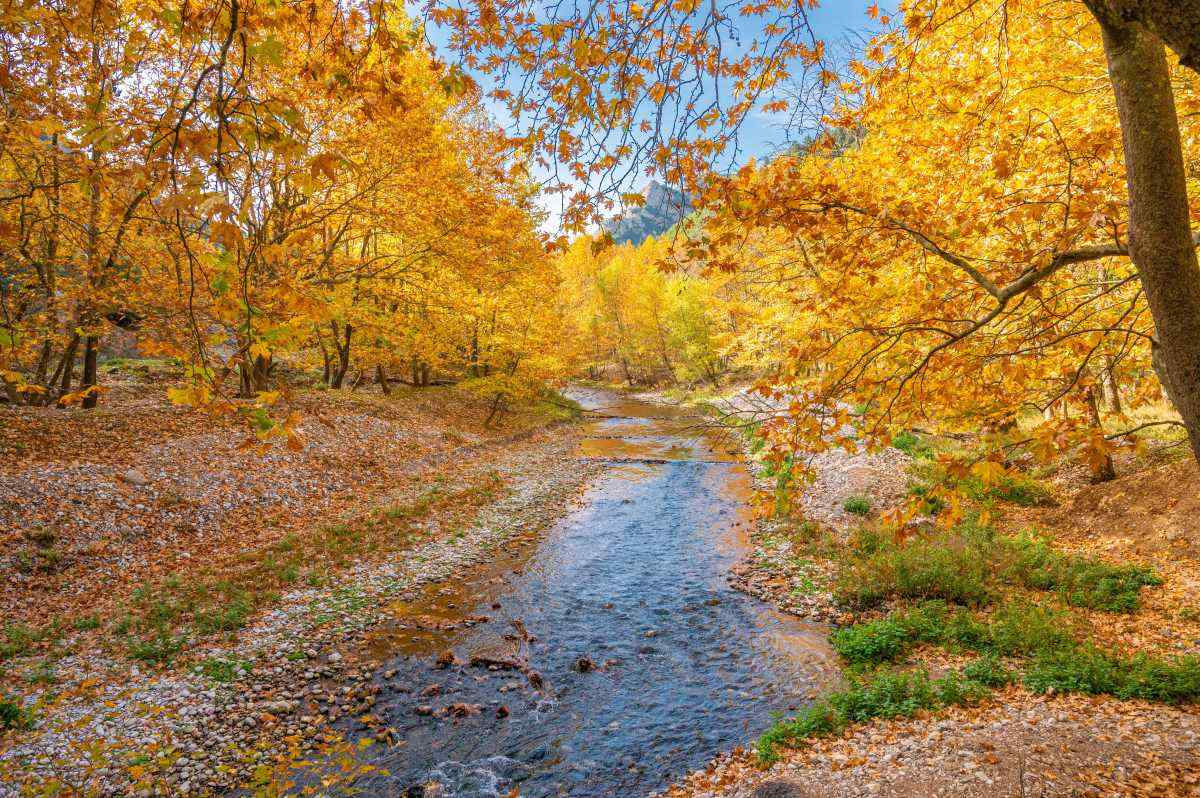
[
  {"x": 988, "y": 671},
  {"x": 883, "y": 694},
  {"x": 912, "y": 444},
  {"x": 18, "y": 638},
  {"x": 966, "y": 565},
  {"x": 947, "y": 566},
  {"x": 885, "y": 640},
  {"x": 230, "y": 612},
  {"x": 1015, "y": 488},
  {"x": 221, "y": 669},
  {"x": 1081, "y": 581},
  {"x": 160, "y": 648},
  {"x": 857, "y": 505},
  {"x": 1086, "y": 669},
  {"x": 86, "y": 623},
  {"x": 41, "y": 673},
  {"x": 14, "y": 714}
]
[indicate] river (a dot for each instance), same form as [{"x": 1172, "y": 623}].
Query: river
[{"x": 676, "y": 665}]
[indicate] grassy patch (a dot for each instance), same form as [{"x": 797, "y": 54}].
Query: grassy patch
[
  {"x": 912, "y": 444},
  {"x": 222, "y": 669},
  {"x": 161, "y": 619},
  {"x": 1014, "y": 629},
  {"x": 1087, "y": 669},
  {"x": 947, "y": 566},
  {"x": 969, "y": 564},
  {"x": 883, "y": 694},
  {"x": 857, "y": 505},
  {"x": 1081, "y": 581}
]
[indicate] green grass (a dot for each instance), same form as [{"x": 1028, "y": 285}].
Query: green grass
[
  {"x": 969, "y": 564},
  {"x": 1016, "y": 628},
  {"x": 160, "y": 647},
  {"x": 912, "y": 444},
  {"x": 221, "y": 669},
  {"x": 1087, "y": 669},
  {"x": 1040, "y": 637},
  {"x": 989, "y": 671},
  {"x": 857, "y": 505},
  {"x": 882, "y": 694},
  {"x": 86, "y": 623},
  {"x": 947, "y": 566},
  {"x": 1081, "y": 581}
]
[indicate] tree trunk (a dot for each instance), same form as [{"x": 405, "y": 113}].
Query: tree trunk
[
  {"x": 1105, "y": 472},
  {"x": 1160, "y": 239},
  {"x": 382, "y": 378},
  {"x": 91, "y": 351},
  {"x": 1112, "y": 391},
  {"x": 68, "y": 366},
  {"x": 343, "y": 353}
]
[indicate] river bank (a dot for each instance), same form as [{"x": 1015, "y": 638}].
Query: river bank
[
  {"x": 1012, "y": 741},
  {"x": 187, "y": 661}
]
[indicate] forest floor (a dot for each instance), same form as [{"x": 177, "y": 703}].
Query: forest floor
[
  {"x": 1013, "y": 741},
  {"x": 181, "y": 611}
]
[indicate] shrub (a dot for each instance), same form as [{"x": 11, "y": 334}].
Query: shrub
[
  {"x": 885, "y": 640},
  {"x": 989, "y": 672},
  {"x": 14, "y": 714},
  {"x": 1081, "y": 581},
  {"x": 1015, "y": 629},
  {"x": 965, "y": 565},
  {"x": 857, "y": 505},
  {"x": 1022, "y": 628}
]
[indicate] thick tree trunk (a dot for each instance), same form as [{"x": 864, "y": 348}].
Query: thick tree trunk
[
  {"x": 1160, "y": 238},
  {"x": 382, "y": 378},
  {"x": 1176, "y": 22}
]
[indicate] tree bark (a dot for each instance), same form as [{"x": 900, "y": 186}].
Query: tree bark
[
  {"x": 1176, "y": 22},
  {"x": 1112, "y": 390},
  {"x": 1105, "y": 472},
  {"x": 343, "y": 354},
  {"x": 1160, "y": 238},
  {"x": 91, "y": 351},
  {"x": 382, "y": 378}
]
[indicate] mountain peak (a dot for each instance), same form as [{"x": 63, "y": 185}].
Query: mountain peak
[{"x": 665, "y": 207}]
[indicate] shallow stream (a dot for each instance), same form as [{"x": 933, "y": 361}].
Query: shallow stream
[{"x": 636, "y": 662}]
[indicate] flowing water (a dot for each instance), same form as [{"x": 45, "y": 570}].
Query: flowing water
[{"x": 634, "y": 581}]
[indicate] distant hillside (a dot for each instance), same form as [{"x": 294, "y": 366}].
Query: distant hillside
[{"x": 665, "y": 207}]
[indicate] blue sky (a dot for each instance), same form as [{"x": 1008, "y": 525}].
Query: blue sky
[{"x": 833, "y": 21}]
